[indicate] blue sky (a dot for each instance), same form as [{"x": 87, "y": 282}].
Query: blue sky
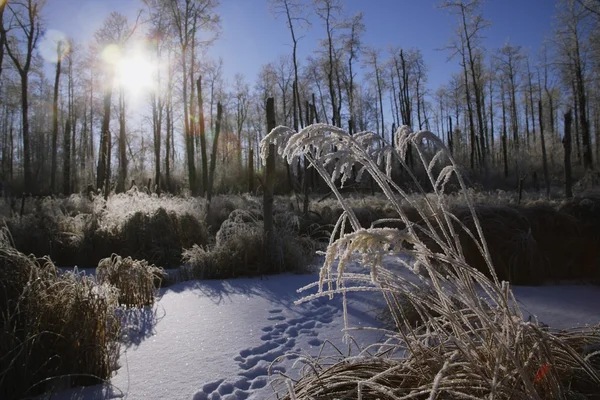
[{"x": 252, "y": 36}]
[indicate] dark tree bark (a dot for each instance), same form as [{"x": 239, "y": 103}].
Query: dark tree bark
[
  {"x": 32, "y": 29},
  {"x": 213, "y": 157},
  {"x": 2, "y": 34},
  {"x": 472, "y": 139},
  {"x": 102, "y": 175},
  {"x": 122, "y": 144},
  {"x": 567, "y": 146},
  {"x": 531, "y": 105},
  {"x": 250, "y": 171},
  {"x": 67, "y": 158},
  {"x": 202, "y": 132},
  {"x": 269, "y": 183},
  {"x": 59, "y": 54},
  {"x": 504, "y": 133},
  {"x": 543, "y": 143},
  {"x": 450, "y": 138}
]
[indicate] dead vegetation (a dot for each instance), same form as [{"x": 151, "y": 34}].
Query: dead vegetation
[
  {"x": 239, "y": 248},
  {"x": 56, "y": 329},
  {"x": 458, "y": 331},
  {"x": 136, "y": 281}
]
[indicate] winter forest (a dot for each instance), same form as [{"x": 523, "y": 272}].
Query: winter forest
[
  {"x": 331, "y": 215},
  {"x": 143, "y": 102}
]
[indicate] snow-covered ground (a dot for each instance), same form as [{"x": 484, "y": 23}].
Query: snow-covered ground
[{"x": 217, "y": 339}]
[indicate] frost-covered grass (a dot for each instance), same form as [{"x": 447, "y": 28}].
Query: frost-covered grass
[
  {"x": 78, "y": 230},
  {"x": 56, "y": 329},
  {"x": 81, "y": 231},
  {"x": 238, "y": 249},
  {"x": 473, "y": 341},
  {"x": 136, "y": 281}
]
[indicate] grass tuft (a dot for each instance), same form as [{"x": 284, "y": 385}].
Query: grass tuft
[
  {"x": 56, "y": 330},
  {"x": 470, "y": 340},
  {"x": 239, "y": 248},
  {"x": 135, "y": 280}
]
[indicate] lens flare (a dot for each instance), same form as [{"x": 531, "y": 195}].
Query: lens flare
[{"x": 111, "y": 54}]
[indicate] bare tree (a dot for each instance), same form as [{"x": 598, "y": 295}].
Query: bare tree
[
  {"x": 294, "y": 12},
  {"x": 241, "y": 92},
  {"x": 352, "y": 45},
  {"x": 159, "y": 27},
  {"x": 509, "y": 60},
  {"x": 471, "y": 23},
  {"x": 59, "y": 55},
  {"x": 376, "y": 72},
  {"x": 25, "y": 17},
  {"x": 188, "y": 17},
  {"x": 571, "y": 30},
  {"x": 2, "y": 34},
  {"x": 110, "y": 38},
  {"x": 327, "y": 11}
]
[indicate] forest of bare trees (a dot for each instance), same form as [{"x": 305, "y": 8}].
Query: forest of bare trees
[{"x": 73, "y": 128}]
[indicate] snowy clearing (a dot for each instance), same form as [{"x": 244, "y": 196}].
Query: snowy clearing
[{"x": 217, "y": 339}]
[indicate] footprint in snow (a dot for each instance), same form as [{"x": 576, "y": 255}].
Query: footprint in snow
[{"x": 278, "y": 338}]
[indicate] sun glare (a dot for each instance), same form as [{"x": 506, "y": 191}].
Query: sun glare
[{"x": 135, "y": 73}]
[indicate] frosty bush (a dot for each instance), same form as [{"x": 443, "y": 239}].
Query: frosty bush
[
  {"x": 53, "y": 327},
  {"x": 135, "y": 280},
  {"x": 239, "y": 248},
  {"x": 80, "y": 231},
  {"x": 473, "y": 341}
]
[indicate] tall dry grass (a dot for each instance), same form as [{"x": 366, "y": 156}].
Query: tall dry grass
[
  {"x": 136, "y": 281},
  {"x": 77, "y": 230},
  {"x": 56, "y": 330},
  {"x": 473, "y": 341},
  {"x": 239, "y": 248}
]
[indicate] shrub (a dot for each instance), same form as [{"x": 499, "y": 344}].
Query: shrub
[
  {"x": 135, "y": 280},
  {"x": 239, "y": 248},
  {"x": 53, "y": 327},
  {"x": 472, "y": 340},
  {"x": 157, "y": 237}
]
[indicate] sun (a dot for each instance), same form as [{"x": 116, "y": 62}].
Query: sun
[{"x": 135, "y": 73}]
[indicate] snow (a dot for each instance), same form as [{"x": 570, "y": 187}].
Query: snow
[{"x": 217, "y": 339}]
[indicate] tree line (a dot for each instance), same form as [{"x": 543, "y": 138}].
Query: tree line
[{"x": 502, "y": 114}]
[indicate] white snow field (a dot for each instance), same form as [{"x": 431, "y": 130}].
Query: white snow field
[{"x": 217, "y": 339}]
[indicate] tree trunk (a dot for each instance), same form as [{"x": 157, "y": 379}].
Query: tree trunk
[
  {"x": 475, "y": 84},
  {"x": 269, "y": 183},
  {"x": 104, "y": 152},
  {"x": 567, "y": 147},
  {"x": 122, "y": 145},
  {"x": 450, "y": 138},
  {"x": 28, "y": 184},
  {"x": 504, "y": 134},
  {"x": 213, "y": 157},
  {"x": 202, "y": 131},
  {"x": 250, "y": 171},
  {"x": 583, "y": 120},
  {"x": 531, "y": 105},
  {"x": 543, "y": 143},
  {"x": 187, "y": 130},
  {"x": 168, "y": 123},
  {"x": 67, "y": 158},
  {"x": 55, "y": 120},
  {"x": 470, "y": 114}
]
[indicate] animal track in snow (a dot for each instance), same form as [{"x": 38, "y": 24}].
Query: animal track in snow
[{"x": 279, "y": 337}]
